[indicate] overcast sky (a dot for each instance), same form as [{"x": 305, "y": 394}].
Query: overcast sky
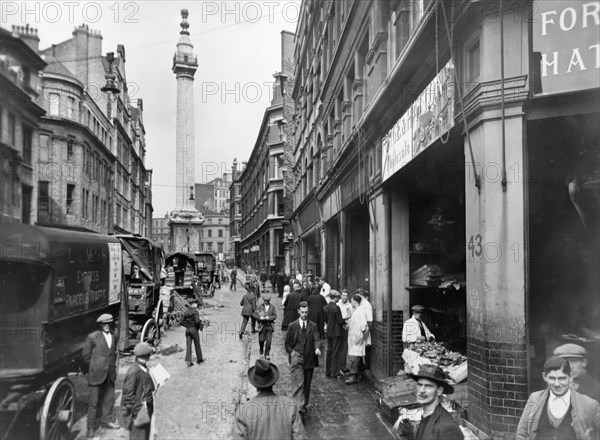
[{"x": 238, "y": 46}]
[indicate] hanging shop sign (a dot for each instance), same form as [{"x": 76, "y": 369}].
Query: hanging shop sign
[
  {"x": 428, "y": 118},
  {"x": 566, "y": 40}
]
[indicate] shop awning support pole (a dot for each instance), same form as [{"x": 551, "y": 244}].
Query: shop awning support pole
[
  {"x": 460, "y": 100},
  {"x": 502, "y": 98}
]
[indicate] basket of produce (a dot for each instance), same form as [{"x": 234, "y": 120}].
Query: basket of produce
[{"x": 418, "y": 353}]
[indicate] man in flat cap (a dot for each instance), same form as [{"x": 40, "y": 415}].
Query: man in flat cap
[
  {"x": 436, "y": 422},
  {"x": 268, "y": 415},
  {"x": 558, "y": 412},
  {"x": 582, "y": 381},
  {"x": 138, "y": 390},
  {"x": 265, "y": 315},
  {"x": 100, "y": 361},
  {"x": 414, "y": 328}
]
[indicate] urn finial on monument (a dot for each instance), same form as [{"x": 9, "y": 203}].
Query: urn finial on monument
[{"x": 184, "y": 23}]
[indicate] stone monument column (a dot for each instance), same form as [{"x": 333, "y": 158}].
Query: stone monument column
[{"x": 185, "y": 221}]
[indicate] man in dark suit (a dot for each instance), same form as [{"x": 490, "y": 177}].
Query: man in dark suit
[
  {"x": 303, "y": 345},
  {"x": 248, "y": 304},
  {"x": 292, "y": 303},
  {"x": 192, "y": 323},
  {"x": 100, "y": 360},
  {"x": 335, "y": 332},
  {"x": 265, "y": 314}
]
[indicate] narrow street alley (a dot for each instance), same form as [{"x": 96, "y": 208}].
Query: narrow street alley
[{"x": 199, "y": 402}]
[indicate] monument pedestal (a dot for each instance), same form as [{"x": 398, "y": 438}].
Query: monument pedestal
[{"x": 185, "y": 226}]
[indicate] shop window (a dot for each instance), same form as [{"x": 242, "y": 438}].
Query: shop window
[
  {"x": 70, "y": 197},
  {"x": 43, "y": 196}
]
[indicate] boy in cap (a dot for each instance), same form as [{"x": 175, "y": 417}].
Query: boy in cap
[
  {"x": 100, "y": 358},
  {"x": 138, "y": 388},
  {"x": 436, "y": 423},
  {"x": 266, "y": 315},
  {"x": 414, "y": 329},
  {"x": 268, "y": 415},
  {"x": 582, "y": 381}
]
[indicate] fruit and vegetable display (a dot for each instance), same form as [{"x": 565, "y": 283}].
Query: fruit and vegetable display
[{"x": 437, "y": 353}]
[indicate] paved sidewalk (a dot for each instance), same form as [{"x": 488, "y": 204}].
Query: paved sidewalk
[{"x": 336, "y": 410}]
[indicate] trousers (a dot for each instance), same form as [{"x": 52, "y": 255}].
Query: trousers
[
  {"x": 333, "y": 359},
  {"x": 301, "y": 380},
  {"x": 191, "y": 335},
  {"x": 102, "y": 399}
]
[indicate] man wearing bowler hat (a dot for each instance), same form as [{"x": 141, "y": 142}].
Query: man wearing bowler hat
[
  {"x": 414, "y": 328},
  {"x": 268, "y": 415},
  {"x": 436, "y": 422},
  {"x": 100, "y": 361},
  {"x": 582, "y": 381}
]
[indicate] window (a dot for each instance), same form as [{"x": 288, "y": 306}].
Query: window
[
  {"x": 70, "y": 107},
  {"x": 220, "y": 247},
  {"x": 54, "y": 99},
  {"x": 209, "y": 232},
  {"x": 43, "y": 196},
  {"x": 220, "y": 232},
  {"x": 12, "y": 130},
  {"x": 70, "y": 194},
  {"x": 44, "y": 148},
  {"x": 473, "y": 65},
  {"x": 70, "y": 152},
  {"x": 220, "y": 221},
  {"x": 27, "y": 145}
]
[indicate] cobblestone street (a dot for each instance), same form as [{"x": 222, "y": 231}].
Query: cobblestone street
[{"x": 199, "y": 402}]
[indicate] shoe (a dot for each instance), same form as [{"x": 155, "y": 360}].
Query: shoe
[
  {"x": 260, "y": 352},
  {"x": 267, "y": 357},
  {"x": 345, "y": 370},
  {"x": 352, "y": 380},
  {"x": 90, "y": 433},
  {"x": 111, "y": 425},
  {"x": 201, "y": 360},
  {"x": 342, "y": 373},
  {"x": 241, "y": 336},
  {"x": 189, "y": 364}
]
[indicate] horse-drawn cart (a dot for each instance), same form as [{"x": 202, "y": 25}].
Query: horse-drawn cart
[
  {"x": 53, "y": 286},
  {"x": 143, "y": 261}
]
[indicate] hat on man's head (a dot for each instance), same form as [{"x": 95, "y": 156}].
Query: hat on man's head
[
  {"x": 105, "y": 318},
  {"x": 142, "y": 349},
  {"x": 570, "y": 351},
  {"x": 418, "y": 308},
  {"x": 266, "y": 297},
  {"x": 434, "y": 373},
  {"x": 334, "y": 293},
  {"x": 263, "y": 374}
]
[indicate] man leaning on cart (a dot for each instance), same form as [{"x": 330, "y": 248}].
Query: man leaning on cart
[{"x": 100, "y": 359}]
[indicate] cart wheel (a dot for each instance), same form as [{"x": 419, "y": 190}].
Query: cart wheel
[
  {"x": 175, "y": 318},
  {"x": 58, "y": 412},
  {"x": 211, "y": 291},
  {"x": 150, "y": 333},
  {"x": 158, "y": 315}
]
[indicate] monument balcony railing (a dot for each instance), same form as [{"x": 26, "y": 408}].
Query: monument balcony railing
[{"x": 179, "y": 58}]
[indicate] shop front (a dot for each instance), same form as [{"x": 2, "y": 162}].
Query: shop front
[{"x": 563, "y": 184}]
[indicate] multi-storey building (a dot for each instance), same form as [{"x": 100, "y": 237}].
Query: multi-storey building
[
  {"x": 235, "y": 214},
  {"x": 262, "y": 180},
  {"x": 20, "y": 115},
  {"x": 214, "y": 234},
  {"x": 161, "y": 232},
  {"x": 446, "y": 156},
  {"x": 91, "y": 155}
]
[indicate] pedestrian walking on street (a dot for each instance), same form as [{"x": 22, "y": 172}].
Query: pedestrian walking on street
[
  {"x": 316, "y": 310},
  {"x": 138, "y": 391},
  {"x": 582, "y": 381},
  {"x": 192, "y": 323},
  {"x": 248, "y": 304},
  {"x": 292, "y": 303},
  {"x": 263, "y": 278},
  {"x": 233, "y": 275},
  {"x": 286, "y": 292},
  {"x": 346, "y": 308},
  {"x": 266, "y": 315},
  {"x": 559, "y": 412},
  {"x": 280, "y": 282},
  {"x": 268, "y": 415},
  {"x": 333, "y": 318},
  {"x": 436, "y": 422},
  {"x": 273, "y": 281},
  {"x": 303, "y": 346},
  {"x": 100, "y": 361},
  {"x": 357, "y": 339}
]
